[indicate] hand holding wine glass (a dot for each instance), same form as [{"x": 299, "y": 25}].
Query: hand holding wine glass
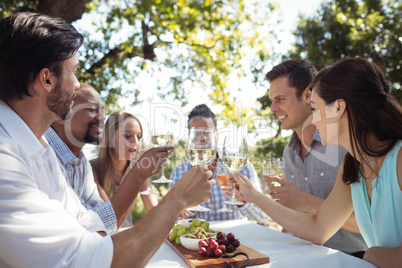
[
  {"x": 235, "y": 158},
  {"x": 201, "y": 150},
  {"x": 144, "y": 146},
  {"x": 162, "y": 135},
  {"x": 272, "y": 168}
]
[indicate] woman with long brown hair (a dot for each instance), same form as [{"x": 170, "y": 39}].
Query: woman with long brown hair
[
  {"x": 353, "y": 108},
  {"x": 118, "y": 149}
]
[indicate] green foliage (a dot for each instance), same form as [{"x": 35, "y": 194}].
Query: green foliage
[
  {"x": 8, "y": 7},
  {"x": 349, "y": 28},
  {"x": 196, "y": 43}
]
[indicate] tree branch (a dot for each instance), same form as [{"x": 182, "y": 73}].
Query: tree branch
[{"x": 116, "y": 53}]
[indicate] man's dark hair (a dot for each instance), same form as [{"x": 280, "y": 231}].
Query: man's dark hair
[
  {"x": 201, "y": 111},
  {"x": 300, "y": 74},
  {"x": 30, "y": 42}
]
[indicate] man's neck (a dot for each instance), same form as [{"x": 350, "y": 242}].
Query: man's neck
[
  {"x": 75, "y": 149},
  {"x": 37, "y": 119},
  {"x": 305, "y": 136}
]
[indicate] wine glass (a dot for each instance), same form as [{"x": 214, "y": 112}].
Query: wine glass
[
  {"x": 201, "y": 150},
  {"x": 222, "y": 177},
  {"x": 234, "y": 158},
  {"x": 162, "y": 135},
  {"x": 144, "y": 146},
  {"x": 274, "y": 167}
]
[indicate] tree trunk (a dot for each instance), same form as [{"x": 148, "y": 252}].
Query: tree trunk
[{"x": 69, "y": 10}]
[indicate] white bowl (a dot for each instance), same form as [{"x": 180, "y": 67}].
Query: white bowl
[
  {"x": 189, "y": 243},
  {"x": 187, "y": 222}
]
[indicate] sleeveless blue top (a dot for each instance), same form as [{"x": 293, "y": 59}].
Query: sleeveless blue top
[{"x": 380, "y": 222}]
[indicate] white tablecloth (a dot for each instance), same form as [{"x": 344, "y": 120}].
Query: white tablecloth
[{"x": 283, "y": 250}]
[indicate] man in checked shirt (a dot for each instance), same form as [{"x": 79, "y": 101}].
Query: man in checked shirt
[
  {"x": 202, "y": 116},
  {"x": 67, "y": 137}
]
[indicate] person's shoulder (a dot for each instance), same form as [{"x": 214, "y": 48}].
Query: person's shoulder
[{"x": 8, "y": 145}]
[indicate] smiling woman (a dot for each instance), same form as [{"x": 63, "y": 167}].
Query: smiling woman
[{"x": 354, "y": 94}]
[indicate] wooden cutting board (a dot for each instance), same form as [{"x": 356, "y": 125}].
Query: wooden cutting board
[{"x": 195, "y": 260}]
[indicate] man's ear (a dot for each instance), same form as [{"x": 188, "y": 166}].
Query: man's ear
[
  {"x": 46, "y": 79},
  {"x": 307, "y": 95}
]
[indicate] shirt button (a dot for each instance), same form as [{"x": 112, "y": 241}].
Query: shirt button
[
  {"x": 322, "y": 174},
  {"x": 293, "y": 176},
  {"x": 306, "y": 179}
]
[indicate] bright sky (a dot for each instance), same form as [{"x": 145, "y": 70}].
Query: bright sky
[{"x": 288, "y": 12}]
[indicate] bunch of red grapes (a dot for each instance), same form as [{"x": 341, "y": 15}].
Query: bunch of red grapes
[{"x": 215, "y": 248}]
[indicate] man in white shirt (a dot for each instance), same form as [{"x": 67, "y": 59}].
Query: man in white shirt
[{"x": 42, "y": 223}]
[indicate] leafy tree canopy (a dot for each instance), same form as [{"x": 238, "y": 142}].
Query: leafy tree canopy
[
  {"x": 350, "y": 28},
  {"x": 181, "y": 45},
  {"x": 347, "y": 28}
]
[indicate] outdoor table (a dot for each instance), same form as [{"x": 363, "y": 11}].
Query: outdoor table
[{"x": 284, "y": 250}]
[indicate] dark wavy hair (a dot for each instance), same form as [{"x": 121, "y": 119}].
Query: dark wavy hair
[
  {"x": 201, "y": 111},
  {"x": 371, "y": 109},
  {"x": 300, "y": 73},
  {"x": 30, "y": 42}
]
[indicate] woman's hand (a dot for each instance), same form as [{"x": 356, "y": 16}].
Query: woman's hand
[
  {"x": 150, "y": 162},
  {"x": 244, "y": 188}
]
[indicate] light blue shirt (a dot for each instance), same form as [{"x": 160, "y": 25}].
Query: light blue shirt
[
  {"x": 380, "y": 222},
  {"x": 218, "y": 196}
]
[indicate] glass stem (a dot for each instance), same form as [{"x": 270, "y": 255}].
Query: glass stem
[
  {"x": 233, "y": 191},
  {"x": 149, "y": 183},
  {"x": 163, "y": 170}
]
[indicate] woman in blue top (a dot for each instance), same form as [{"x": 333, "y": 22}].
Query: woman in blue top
[{"x": 353, "y": 108}]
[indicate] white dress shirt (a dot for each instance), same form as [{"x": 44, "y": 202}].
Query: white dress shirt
[{"x": 42, "y": 222}]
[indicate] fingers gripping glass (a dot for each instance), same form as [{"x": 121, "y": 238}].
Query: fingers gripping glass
[
  {"x": 162, "y": 135},
  {"x": 234, "y": 158},
  {"x": 201, "y": 150},
  {"x": 144, "y": 146},
  {"x": 274, "y": 167}
]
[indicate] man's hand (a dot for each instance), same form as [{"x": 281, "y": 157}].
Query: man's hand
[{"x": 194, "y": 187}]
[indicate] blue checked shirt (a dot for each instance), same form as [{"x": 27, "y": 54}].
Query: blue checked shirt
[
  {"x": 248, "y": 210},
  {"x": 78, "y": 173}
]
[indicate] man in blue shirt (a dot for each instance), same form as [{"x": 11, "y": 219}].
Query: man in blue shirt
[{"x": 202, "y": 116}]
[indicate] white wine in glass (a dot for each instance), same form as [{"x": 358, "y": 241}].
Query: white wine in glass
[
  {"x": 201, "y": 156},
  {"x": 144, "y": 146},
  {"x": 163, "y": 139},
  {"x": 162, "y": 135},
  {"x": 235, "y": 158},
  {"x": 273, "y": 167},
  {"x": 201, "y": 150}
]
